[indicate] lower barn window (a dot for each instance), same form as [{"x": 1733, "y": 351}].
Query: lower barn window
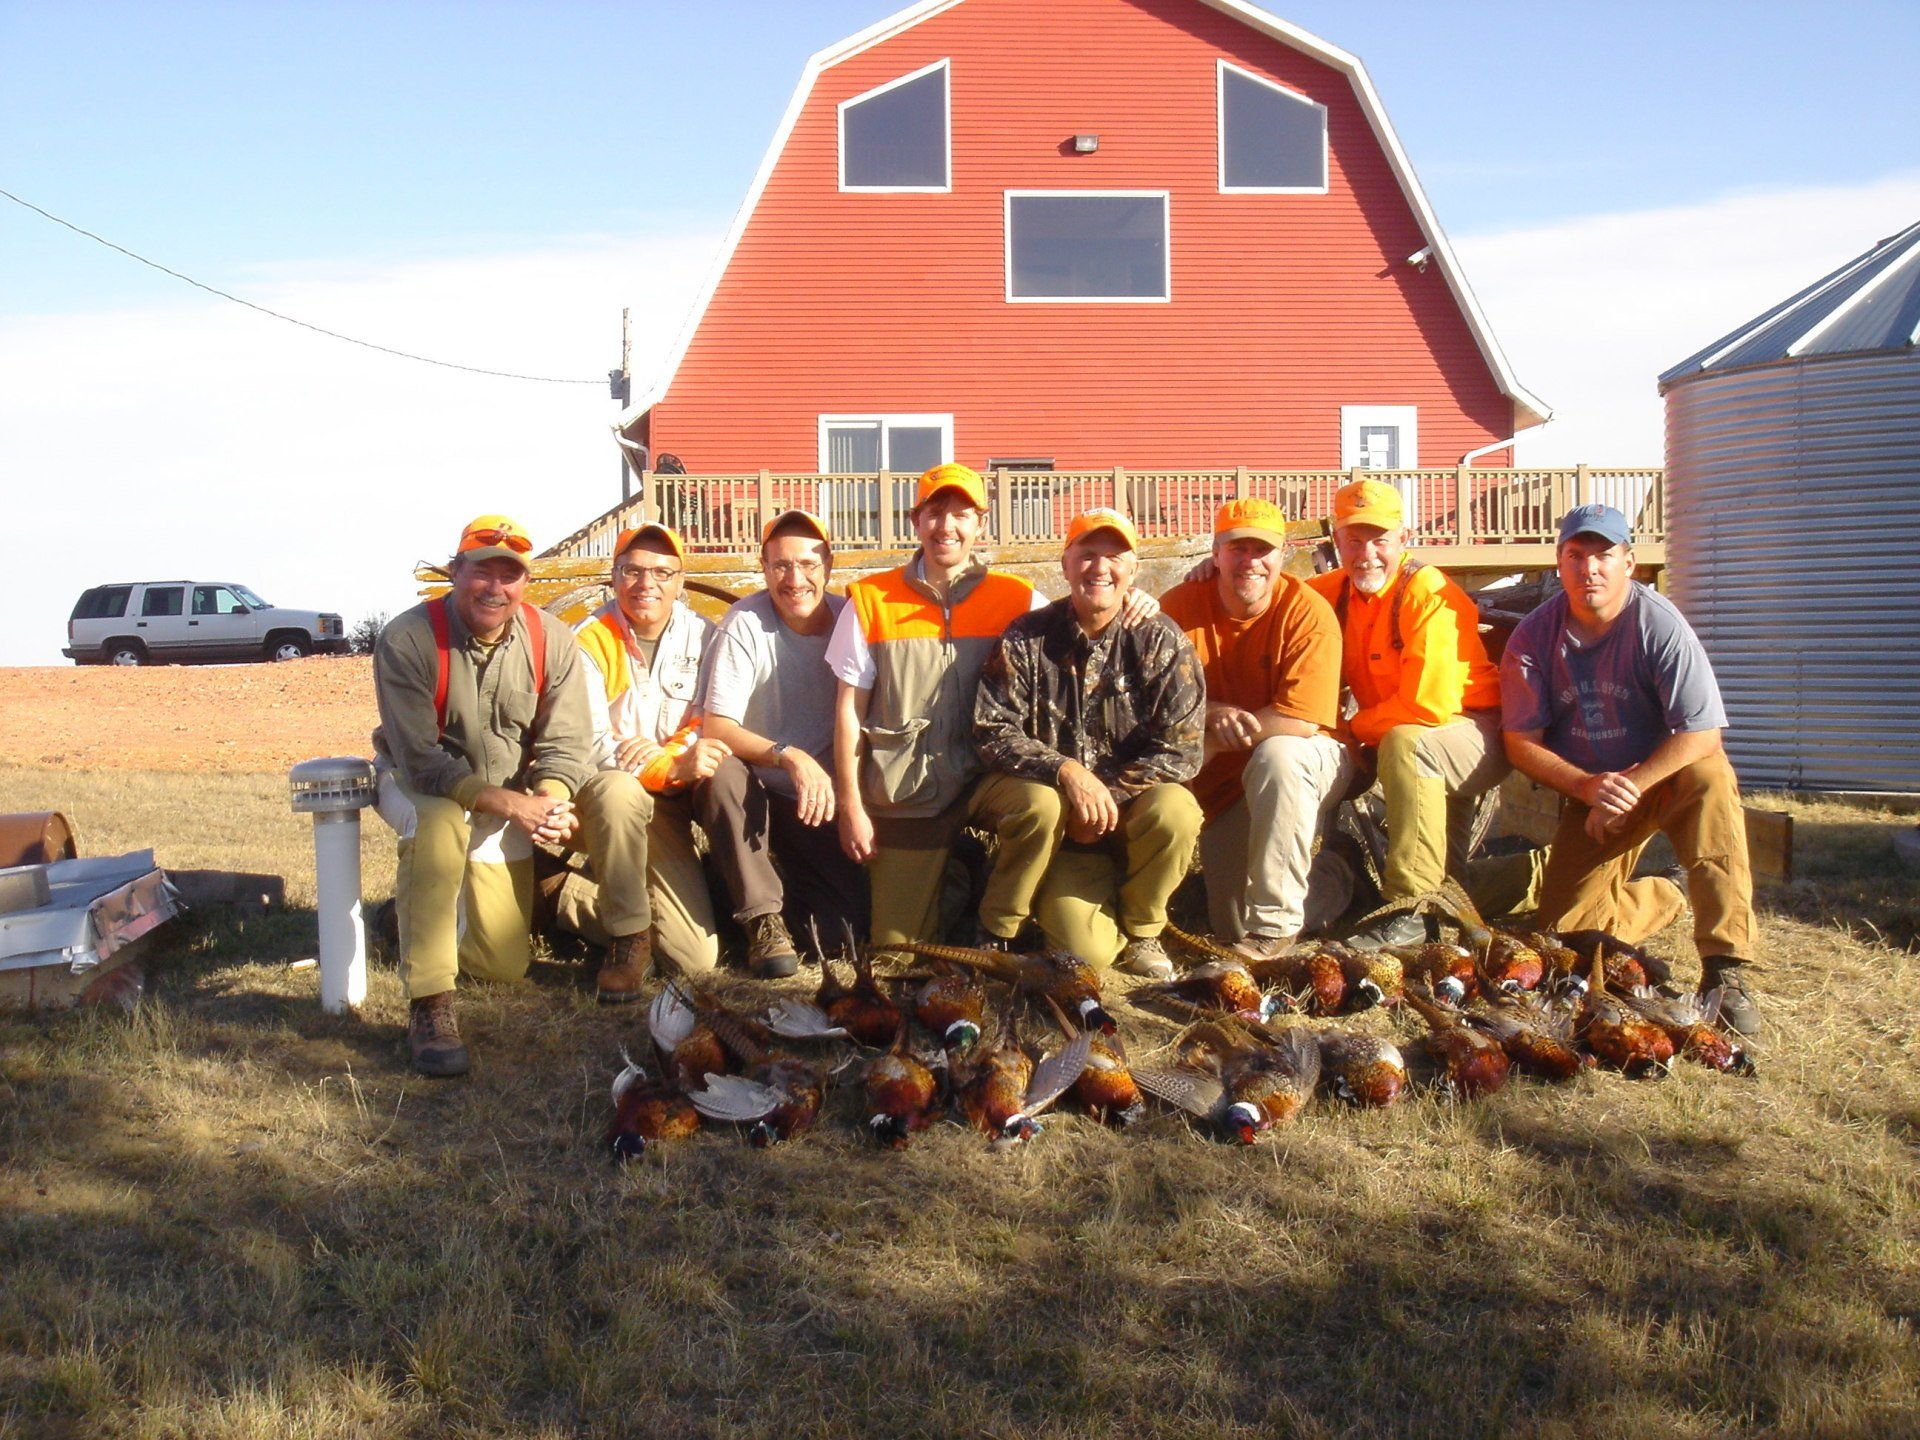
[{"x": 1088, "y": 245}]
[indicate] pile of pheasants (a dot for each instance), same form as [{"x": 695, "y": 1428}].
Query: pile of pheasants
[{"x": 946, "y": 1038}]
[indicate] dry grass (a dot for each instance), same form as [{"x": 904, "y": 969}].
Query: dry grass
[{"x": 231, "y": 1215}]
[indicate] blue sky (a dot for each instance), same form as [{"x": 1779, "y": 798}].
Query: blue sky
[{"x": 492, "y": 182}]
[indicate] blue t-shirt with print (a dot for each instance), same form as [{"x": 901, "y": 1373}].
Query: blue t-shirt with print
[{"x": 1608, "y": 704}]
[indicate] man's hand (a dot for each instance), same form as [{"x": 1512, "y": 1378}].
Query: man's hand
[
  {"x": 632, "y": 755},
  {"x": 1137, "y": 606},
  {"x": 811, "y": 782},
  {"x": 856, "y": 832},
  {"x": 546, "y": 818},
  {"x": 697, "y": 762},
  {"x": 1204, "y": 572},
  {"x": 1232, "y": 728},
  {"x": 1092, "y": 810},
  {"x": 1611, "y": 793}
]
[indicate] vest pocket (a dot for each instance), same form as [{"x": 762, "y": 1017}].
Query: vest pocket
[
  {"x": 897, "y": 769},
  {"x": 514, "y": 711}
]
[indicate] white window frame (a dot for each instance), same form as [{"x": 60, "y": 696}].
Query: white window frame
[
  {"x": 945, "y": 66},
  {"x": 1221, "y": 67},
  {"x": 944, "y": 423},
  {"x": 1355, "y": 418},
  {"x": 1165, "y": 197}
]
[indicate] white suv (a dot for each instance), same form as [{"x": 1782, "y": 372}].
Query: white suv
[{"x": 153, "y": 622}]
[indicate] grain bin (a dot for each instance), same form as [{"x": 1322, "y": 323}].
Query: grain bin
[{"x": 1793, "y": 472}]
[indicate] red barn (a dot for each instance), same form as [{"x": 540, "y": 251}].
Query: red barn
[{"x": 1157, "y": 234}]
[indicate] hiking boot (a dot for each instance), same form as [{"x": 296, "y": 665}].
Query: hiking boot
[
  {"x": 1146, "y": 957},
  {"x": 1401, "y": 929},
  {"x": 1261, "y": 946},
  {"x": 770, "y": 952},
  {"x": 984, "y": 939},
  {"x": 1738, "y": 1010},
  {"x": 629, "y": 961},
  {"x": 433, "y": 1038}
]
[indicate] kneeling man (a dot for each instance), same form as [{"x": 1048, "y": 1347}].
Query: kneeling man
[
  {"x": 484, "y": 748},
  {"x": 1102, "y": 720},
  {"x": 1610, "y": 699}
]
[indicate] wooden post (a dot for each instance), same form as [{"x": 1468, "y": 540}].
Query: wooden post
[
  {"x": 1121, "y": 500},
  {"x": 884, "y": 541},
  {"x": 1582, "y": 486},
  {"x": 1002, "y": 509},
  {"x": 649, "y": 496},
  {"x": 766, "y": 503},
  {"x": 1463, "y": 504},
  {"x": 1242, "y": 486}
]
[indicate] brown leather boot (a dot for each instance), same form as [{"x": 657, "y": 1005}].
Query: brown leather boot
[
  {"x": 629, "y": 961},
  {"x": 433, "y": 1037},
  {"x": 770, "y": 953}
]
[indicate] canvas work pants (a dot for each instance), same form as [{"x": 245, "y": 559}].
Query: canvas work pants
[
  {"x": 463, "y": 888},
  {"x": 673, "y": 900},
  {"x": 1589, "y": 885},
  {"x": 909, "y": 865},
  {"x": 1098, "y": 896},
  {"x": 1255, "y": 857},
  {"x": 773, "y": 863},
  {"x": 1434, "y": 779}
]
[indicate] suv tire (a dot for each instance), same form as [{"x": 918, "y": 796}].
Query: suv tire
[
  {"x": 123, "y": 652},
  {"x": 287, "y": 647}
]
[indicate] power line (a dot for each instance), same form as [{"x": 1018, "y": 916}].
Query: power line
[{"x": 291, "y": 320}]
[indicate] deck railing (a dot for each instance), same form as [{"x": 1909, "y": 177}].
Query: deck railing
[{"x": 722, "y": 514}]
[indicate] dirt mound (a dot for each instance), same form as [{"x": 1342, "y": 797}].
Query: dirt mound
[{"x": 194, "y": 718}]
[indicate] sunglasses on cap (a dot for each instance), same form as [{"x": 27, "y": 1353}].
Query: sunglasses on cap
[{"x": 501, "y": 535}]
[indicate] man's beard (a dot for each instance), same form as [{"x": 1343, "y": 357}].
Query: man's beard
[{"x": 1371, "y": 581}]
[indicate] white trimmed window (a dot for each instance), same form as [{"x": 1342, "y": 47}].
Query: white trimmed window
[
  {"x": 868, "y": 444},
  {"x": 1273, "y": 141},
  {"x": 1089, "y": 245},
  {"x": 1383, "y": 437},
  {"x": 897, "y": 137}
]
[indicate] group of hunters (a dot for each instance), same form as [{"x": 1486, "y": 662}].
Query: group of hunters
[{"x": 832, "y": 750}]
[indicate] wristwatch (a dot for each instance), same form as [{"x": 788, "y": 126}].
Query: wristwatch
[{"x": 779, "y": 749}]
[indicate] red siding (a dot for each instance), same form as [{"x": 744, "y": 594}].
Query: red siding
[{"x": 1285, "y": 307}]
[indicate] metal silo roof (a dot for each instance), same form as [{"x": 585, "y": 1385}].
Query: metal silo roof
[{"x": 1870, "y": 304}]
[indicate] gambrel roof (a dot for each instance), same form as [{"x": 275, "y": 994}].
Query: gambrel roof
[{"x": 1529, "y": 409}]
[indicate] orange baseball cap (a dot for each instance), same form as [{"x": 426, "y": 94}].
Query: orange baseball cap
[
  {"x": 1250, "y": 518},
  {"x": 493, "y": 537},
  {"x": 1088, "y": 521},
  {"x": 629, "y": 538},
  {"x": 795, "y": 520},
  {"x": 951, "y": 477},
  {"x": 1368, "y": 502}
]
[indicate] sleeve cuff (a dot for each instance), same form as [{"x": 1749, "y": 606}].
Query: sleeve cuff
[
  {"x": 465, "y": 792},
  {"x": 553, "y": 788}
]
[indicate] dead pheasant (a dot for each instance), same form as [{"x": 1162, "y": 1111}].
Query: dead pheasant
[
  {"x": 1511, "y": 965},
  {"x": 1535, "y": 1038},
  {"x": 1471, "y": 1064},
  {"x": 1629, "y": 967},
  {"x": 1059, "y": 975},
  {"x": 646, "y": 1109},
  {"x": 779, "y": 1096},
  {"x": 1616, "y": 1035},
  {"x": 862, "y": 1009},
  {"x": 690, "y": 1048},
  {"x": 952, "y": 1006},
  {"x": 1001, "y": 1090},
  {"x": 1106, "y": 1088},
  {"x": 1446, "y": 969},
  {"x": 1242, "y": 1079},
  {"x": 1691, "y": 1022},
  {"x": 901, "y": 1093},
  {"x": 1361, "y": 1069}
]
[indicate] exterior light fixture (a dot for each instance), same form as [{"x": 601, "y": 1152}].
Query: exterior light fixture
[
  {"x": 1085, "y": 144},
  {"x": 334, "y": 792}
]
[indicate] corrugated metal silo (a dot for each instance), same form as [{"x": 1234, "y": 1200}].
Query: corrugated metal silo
[{"x": 1793, "y": 467}]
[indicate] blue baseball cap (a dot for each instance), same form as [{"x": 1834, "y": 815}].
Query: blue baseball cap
[{"x": 1602, "y": 520}]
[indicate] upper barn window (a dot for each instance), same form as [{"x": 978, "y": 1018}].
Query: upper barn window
[
  {"x": 1273, "y": 141},
  {"x": 896, "y": 136},
  {"x": 1087, "y": 245}
]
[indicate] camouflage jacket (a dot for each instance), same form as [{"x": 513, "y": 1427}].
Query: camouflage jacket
[{"x": 1130, "y": 705}]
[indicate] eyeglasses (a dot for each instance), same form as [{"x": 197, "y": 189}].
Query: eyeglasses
[
  {"x": 505, "y": 535},
  {"x": 660, "y": 575},
  {"x": 784, "y": 568}
]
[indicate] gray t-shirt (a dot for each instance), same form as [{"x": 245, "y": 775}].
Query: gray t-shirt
[
  {"x": 774, "y": 682},
  {"x": 1608, "y": 705}
]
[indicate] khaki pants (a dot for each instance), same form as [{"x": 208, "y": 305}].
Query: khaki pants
[
  {"x": 1434, "y": 778},
  {"x": 674, "y": 901},
  {"x": 1255, "y": 857},
  {"x": 1097, "y": 897},
  {"x": 1588, "y": 886},
  {"x": 909, "y": 865},
  {"x": 463, "y": 887}
]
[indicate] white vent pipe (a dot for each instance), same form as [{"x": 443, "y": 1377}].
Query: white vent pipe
[{"x": 334, "y": 792}]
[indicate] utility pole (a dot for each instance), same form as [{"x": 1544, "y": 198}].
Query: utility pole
[{"x": 620, "y": 383}]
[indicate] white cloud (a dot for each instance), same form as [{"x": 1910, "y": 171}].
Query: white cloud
[
  {"x": 193, "y": 438},
  {"x": 1590, "y": 311}
]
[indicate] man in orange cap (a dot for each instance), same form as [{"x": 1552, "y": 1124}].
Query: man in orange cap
[
  {"x": 484, "y": 748},
  {"x": 906, "y": 653},
  {"x": 1427, "y": 698},
  {"x": 646, "y": 648},
  {"x": 1274, "y": 766},
  {"x": 1083, "y": 718}
]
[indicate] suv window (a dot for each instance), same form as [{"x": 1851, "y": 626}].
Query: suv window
[
  {"x": 102, "y": 602},
  {"x": 216, "y": 600},
  {"x": 162, "y": 600}
]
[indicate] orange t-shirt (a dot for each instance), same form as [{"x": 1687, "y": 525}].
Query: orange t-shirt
[{"x": 1288, "y": 657}]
